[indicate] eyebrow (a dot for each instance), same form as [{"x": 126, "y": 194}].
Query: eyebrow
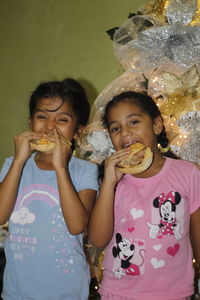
[
  {"x": 47, "y": 110},
  {"x": 127, "y": 117}
]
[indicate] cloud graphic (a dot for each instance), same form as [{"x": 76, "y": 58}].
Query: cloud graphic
[{"x": 22, "y": 216}]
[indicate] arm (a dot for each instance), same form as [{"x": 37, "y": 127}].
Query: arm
[
  {"x": 195, "y": 240},
  {"x": 8, "y": 191},
  {"x": 76, "y": 207},
  {"x": 9, "y": 186},
  {"x": 101, "y": 223},
  {"x": 195, "y": 234}
]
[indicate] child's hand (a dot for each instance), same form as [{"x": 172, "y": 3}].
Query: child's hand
[
  {"x": 62, "y": 151},
  {"x": 22, "y": 145},
  {"x": 111, "y": 173}
]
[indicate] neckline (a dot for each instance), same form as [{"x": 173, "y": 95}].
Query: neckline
[
  {"x": 32, "y": 158},
  {"x": 160, "y": 174},
  {"x": 36, "y": 166}
]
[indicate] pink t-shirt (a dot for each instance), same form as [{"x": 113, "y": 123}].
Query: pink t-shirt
[{"x": 150, "y": 256}]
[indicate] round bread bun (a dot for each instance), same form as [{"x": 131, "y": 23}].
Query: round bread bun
[
  {"x": 42, "y": 145},
  {"x": 139, "y": 160}
]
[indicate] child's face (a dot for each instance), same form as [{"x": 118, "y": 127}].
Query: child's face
[
  {"x": 128, "y": 124},
  {"x": 45, "y": 120}
]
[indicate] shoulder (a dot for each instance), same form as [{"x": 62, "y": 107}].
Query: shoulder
[
  {"x": 183, "y": 164},
  {"x": 8, "y": 162},
  {"x": 185, "y": 172},
  {"x": 84, "y": 174},
  {"x": 76, "y": 162},
  {"x": 6, "y": 165}
]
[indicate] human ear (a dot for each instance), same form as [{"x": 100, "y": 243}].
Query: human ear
[
  {"x": 158, "y": 125},
  {"x": 78, "y": 133}
]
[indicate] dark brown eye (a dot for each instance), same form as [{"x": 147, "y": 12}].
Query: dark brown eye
[
  {"x": 114, "y": 129},
  {"x": 133, "y": 122}
]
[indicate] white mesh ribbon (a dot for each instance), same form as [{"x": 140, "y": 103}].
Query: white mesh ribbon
[{"x": 95, "y": 143}]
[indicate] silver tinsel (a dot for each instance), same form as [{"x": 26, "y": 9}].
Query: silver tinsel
[
  {"x": 160, "y": 45},
  {"x": 190, "y": 124},
  {"x": 181, "y": 11},
  {"x": 190, "y": 150},
  {"x": 144, "y": 43}
]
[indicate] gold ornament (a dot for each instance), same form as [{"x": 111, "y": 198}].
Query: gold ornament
[
  {"x": 171, "y": 126},
  {"x": 196, "y": 17},
  {"x": 175, "y": 105},
  {"x": 186, "y": 85},
  {"x": 196, "y": 104},
  {"x": 159, "y": 7},
  {"x": 156, "y": 8},
  {"x": 189, "y": 82}
]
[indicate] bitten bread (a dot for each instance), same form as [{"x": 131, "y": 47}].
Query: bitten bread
[
  {"x": 139, "y": 160},
  {"x": 42, "y": 145}
]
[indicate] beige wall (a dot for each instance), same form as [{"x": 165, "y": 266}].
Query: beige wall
[{"x": 52, "y": 39}]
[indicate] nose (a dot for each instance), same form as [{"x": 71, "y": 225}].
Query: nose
[
  {"x": 126, "y": 133},
  {"x": 50, "y": 125}
]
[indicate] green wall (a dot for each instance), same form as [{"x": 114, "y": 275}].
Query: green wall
[{"x": 52, "y": 39}]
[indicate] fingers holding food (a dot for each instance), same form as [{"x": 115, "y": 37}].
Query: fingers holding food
[{"x": 46, "y": 144}]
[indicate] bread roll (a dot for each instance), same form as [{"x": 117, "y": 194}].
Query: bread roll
[
  {"x": 42, "y": 145},
  {"x": 139, "y": 160}
]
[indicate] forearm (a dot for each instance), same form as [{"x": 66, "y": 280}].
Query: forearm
[
  {"x": 74, "y": 211},
  {"x": 196, "y": 247},
  {"x": 102, "y": 218},
  {"x": 8, "y": 190},
  {"x": 196, "y": 250},
  {"x": 195, "y": 236}
]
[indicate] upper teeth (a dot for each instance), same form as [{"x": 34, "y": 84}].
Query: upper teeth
[{"x": 127, "y": 145}]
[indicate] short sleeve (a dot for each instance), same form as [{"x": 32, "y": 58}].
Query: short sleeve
[
  {"x": 5, "y": 168},
  {"x": 89, "y": 178},
  {"x": 194, "y": 189},
  {"x": 84, "y": 174}
]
